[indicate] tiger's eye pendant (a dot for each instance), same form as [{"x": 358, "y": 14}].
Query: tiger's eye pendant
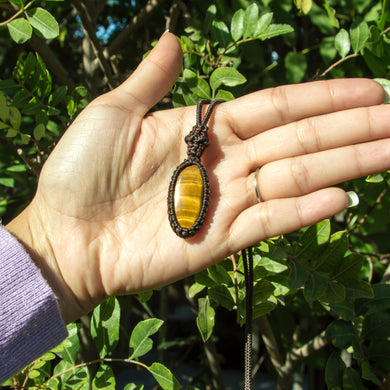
[{"x": 188, "y": 195}]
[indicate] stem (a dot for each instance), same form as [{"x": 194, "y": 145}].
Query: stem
[
  {"x": 96, "y": 46},
  {"x": 101, "y": 360},
  {"x": 340, "y": 61},
  {"x": 370, "y": 210},
  {"x": 19, "y": 12}
]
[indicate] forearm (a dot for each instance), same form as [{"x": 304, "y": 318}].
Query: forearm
[{"x": 30, "y": 319}]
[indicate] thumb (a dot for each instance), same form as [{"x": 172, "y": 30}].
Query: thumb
[{"x": 153, "y": 78}]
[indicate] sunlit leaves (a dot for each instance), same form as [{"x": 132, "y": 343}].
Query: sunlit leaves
[
  {"x": 342, "y": 43},
  {"x": 359, "y": 35},
  {"x": 164, "y": 377},
  {"x": 229, "y": 77},
  {"x": 206, "y": 318},
  {"x": 105, "y": 326},
  {"x": 20, "y": 30},
  {"x": 140, "y": 341},
  {"x": 37, "y": 19}
]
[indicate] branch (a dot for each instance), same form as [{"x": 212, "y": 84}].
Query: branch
[
  {"x": 39, "y": 45},
  {"x": 271, "y": 344},
  {"x": 137, "y": 21},
  {"x": 337, "y": 63},
  {"x": 306, "y": 350},
  {"x": 370, "y": 210},
  {"x": 89, "y": 30}
]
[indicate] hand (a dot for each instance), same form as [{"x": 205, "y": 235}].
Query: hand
[{"x": 98, "y": 224}]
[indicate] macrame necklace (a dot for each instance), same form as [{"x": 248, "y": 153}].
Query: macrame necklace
[{"x": 188, "y": 200}]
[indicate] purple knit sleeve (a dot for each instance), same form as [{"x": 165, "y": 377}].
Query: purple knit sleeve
[{"x": 30, "y": 320}]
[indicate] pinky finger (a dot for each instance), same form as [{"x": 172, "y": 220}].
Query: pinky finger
[{"x": 280, "y": 216}]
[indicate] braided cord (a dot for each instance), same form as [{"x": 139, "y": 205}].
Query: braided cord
[
  {"x": 248, "y": 271},
  {"x": 203, "y": 123}
]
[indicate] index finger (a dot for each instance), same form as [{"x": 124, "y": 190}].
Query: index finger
[{"x": 263, "y": 110}]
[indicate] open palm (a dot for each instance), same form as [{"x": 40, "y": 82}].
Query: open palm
[{"x": 99, "y": 219}]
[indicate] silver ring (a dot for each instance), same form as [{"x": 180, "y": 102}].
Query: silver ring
[{"x": 256, "y": 189}]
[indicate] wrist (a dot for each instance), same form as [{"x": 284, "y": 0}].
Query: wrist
[{"x": 29, "y": 230}]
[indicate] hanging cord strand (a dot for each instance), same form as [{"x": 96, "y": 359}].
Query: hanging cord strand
[
  {"x": 248, "y": 271},
  {"x": 203, "y": 123}
]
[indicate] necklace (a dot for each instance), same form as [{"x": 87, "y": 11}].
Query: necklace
[
  {"x": 188, "y": 196},
  {"x": 188, "y": 200}
]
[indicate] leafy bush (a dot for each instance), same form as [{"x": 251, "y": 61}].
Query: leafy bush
[{"x": 321, "y": 297}]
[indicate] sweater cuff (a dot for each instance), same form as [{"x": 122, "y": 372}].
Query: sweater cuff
[{"x": 30, "y": 319}]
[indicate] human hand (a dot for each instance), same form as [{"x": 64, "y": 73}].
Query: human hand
[{"x": 98, "y": 224}]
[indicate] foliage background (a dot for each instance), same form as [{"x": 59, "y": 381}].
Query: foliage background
[{"x": 321, "y": 299}]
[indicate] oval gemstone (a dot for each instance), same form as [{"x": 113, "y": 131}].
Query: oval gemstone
[{"x": 188, "y": 196}]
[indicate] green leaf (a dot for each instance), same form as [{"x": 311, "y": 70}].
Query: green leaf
[
  {"x": 379, "y": 303},
  {"x": 342, "y": 43},
  {"x": 275, "y": 30},
  {"x": 229, "y": 77},
  {"x": 225, "y": 95},
  {"x": 237, "y": 25},
  {"x": 342, "y": 334},
  {"x": 359, "y": 33},
  {"x": 379, "y": 351},
  {"x": 70, "y": 347},
  {"x": 140, "y": 341},
  {"x": 205, "y": 319},
  {"x": 334, "y": 371},
  {"x": 220, "y": 33},
  {"x": 7, "y": 182},
  {"x": 4, "y": 110},
  {"x": 317, "y": 234},
  {"x": 11, "y": 133},
  {"x": 368, "y": 374},
  {"x": 223, "y": 296},
  {"x": 296, "y": 66},
  {"x": 210, "y": 16},
  {"x": 104, "y": 379},
  {"x": 332, "y": 15},
  {"x": 376, "y": 326},
  {"x": 315, "y": 288},
  {"x": 348, "y": 268},
  {"x": 197, "y": 85},
  {"x": 298, "y": 275},
  {"x": 263, "y": 23},
  {"x": 25, "y": 138},
  {"x": 218, "y": 273},
  {"x": 304, "y": 5},
  {"x": 385, "y": 15},
  {"x": 132, "y": 386},
  {"x": 250, "y": 20},
  {"x": 44, "y": 22},
  {"x": 262, "y": 309},
  {"x": 105, "y": 326},
  {"x": 164, "y": 377},
  {"x": 195, "y": 289},
  {"x": 58, "y": 95},
  {"x": 39, "y": 131},
  {"x": 375, "y": 178},
  {"x": 20, "y": 30},
  {"x": 377, "y": 65},
  {"x": 352, "y": 381},
  {"x": 144, "y": 296},
  {"x": 386, "y": 86},
  {"x": 15, "y": 118}
]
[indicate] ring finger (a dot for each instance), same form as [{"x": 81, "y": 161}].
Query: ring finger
[{"x": 304, "y": 174}]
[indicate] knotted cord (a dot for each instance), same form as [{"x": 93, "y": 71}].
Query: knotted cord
[{"x": 248, "y": 272}]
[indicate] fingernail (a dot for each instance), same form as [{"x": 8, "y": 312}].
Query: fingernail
[{"x": 353, "y": 199}]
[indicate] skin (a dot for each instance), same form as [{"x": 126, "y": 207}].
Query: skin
[{"x": 98, "y": 224}]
